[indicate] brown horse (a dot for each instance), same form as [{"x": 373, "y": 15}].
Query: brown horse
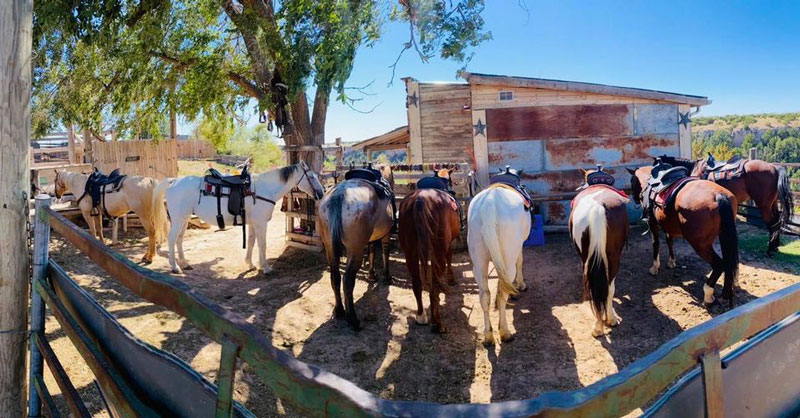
[
  {"x": 428, "y": 224},
  {"x": 700, "y": 212},
  {"x": 598, "y": 227},
  {"x": 350, "y": 217},
  {"x": 762, "y": 182}
]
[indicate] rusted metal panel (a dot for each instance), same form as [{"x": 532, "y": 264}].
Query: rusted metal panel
[
  {"x": 656, "y": 119},
  {"x": 548, "y": 122},
  {"x": 761, "y": 388},
  {"x": 163, "y": 381},
  {"x": 574, "y": 153},
  {"x": 525, "y": 155}
]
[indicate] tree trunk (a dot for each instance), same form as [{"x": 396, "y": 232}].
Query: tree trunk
[{"x": 15, "y": 97}]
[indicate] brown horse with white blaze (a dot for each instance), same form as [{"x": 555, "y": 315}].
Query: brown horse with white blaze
[
  {"x": 762, "y": 182},
  {"x": 428, "y": 224},
  {"x": 700, "y": 212},
  {"x": 598, "y": 228}
]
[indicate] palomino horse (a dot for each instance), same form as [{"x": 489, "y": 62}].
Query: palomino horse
[
  {"x": 498, "y": 224},
  {"x": 184, "y": 197},
  {"x": 762, "y": 182},
  {"x": 598, "y": 227},
  {"x": 350, "y": 217},
  {"x": 700, "y": 212},
  {"x": 135, "y": 194},
  {"x": 428, "y": 223}
]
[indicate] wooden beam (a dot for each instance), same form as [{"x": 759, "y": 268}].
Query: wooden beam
[
  {"x": 481, "y": 146},
  {"x": 414, "y": 122},
  {"x": 71, "y": 144},
  {"x": 15, "y": 122},
  {"x": 539, "y": 83},
  {"x": 712, "y": 384}
]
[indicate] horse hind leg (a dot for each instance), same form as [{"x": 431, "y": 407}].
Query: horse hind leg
[
  {"x": 354, "y": 260},
  {"x": 387, "y": 277},
  {"x": 181, "y": 256},
  {"x": 612, "y": 319},
  {"x": 772, "y": 219},
  {"x": 434, "y": 294},
  {"x": 502, "y": 301},
  {"x": 480, "y": 270},
  {"x": 656, "y": 256},
  {"x": 251, "y": 242},
  {"x": 174, "y": 235},
  {"x": 711, "y": 280},
  {"x": 671, "y": 262},
  {"x": 412, "y": 263}
]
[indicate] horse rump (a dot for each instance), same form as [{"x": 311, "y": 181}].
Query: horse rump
[{"x": 595, "y": 265}]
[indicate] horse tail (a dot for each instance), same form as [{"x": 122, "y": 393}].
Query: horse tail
[
  {"x": 729, "y": 244},
  {"x": 785, "y": 197},
  {"x": 493, "y": 244},
  {"x": 595, "y": 268},
  {"x": 425, "y": 225},
  {"x": 158, "y": 210},
  {"x": 335, "y": 222}
]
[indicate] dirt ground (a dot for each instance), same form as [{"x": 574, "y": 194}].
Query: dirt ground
[{"x": 393, "y": 356}]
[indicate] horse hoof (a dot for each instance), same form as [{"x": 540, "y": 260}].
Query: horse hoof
[
  {"x": 614, "y": 322},
  {"x": 523, "y": 288},
  {"x": 355, "y": 325},
  {"x": 507, "y": 338},
  {"x": 338, "y": 313},
  {"x": 488, "y": 342},
  {"x": 452, "y": 281},
  {"x": 438, "y": 329},
  {"x": 770, "y": 253},
  {"x": 671, "y": 264},
  {"x": 598, "y": 332},
  {"x": 177, "y": 271},
  {"x": 371, "y": 277},
  {"x": 653, "y": 271},
  {"x": 146, "y": 260},
  {"x": 188, "y": 268},
  {"x": 387, "y": 280}
]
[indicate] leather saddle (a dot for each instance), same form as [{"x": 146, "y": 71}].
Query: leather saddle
[
  {"x": 235, "y": 187},
  {"x": 374, "y": 178},
  {"x": 662, "y": 187},
  {"x": 439, "y": 183},
  {"x": 511, "y": 178},
  {"x": 715, "y": 170},
  {"x": 98, "y": 184},
  {"x": 600, "y": 178}
]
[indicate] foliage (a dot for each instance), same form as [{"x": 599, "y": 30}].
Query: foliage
[
  {"x": 127, "y": 63},
  {"x": 255, "y": 142}
]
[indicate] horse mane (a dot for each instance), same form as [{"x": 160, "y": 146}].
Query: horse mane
[
  {"x": 683, "y": 162},
  {"x": 287, "y": 172}
]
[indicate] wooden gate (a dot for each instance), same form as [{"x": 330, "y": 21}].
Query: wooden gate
[{"x": 137, "y": 379}]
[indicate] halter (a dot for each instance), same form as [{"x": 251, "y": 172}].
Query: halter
[{"x": 305, "y": 175}]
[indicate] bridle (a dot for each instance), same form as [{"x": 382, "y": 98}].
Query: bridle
[{"x": 305, "y": 175}]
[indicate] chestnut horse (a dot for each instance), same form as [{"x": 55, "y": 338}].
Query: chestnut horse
[
  {"x": 428, "y": 224},
  {"x": 350, "y": 217},
  {"x": 762, "y": 182},
  {"x": 700, "y": 212},
  {"x": 598, "y": 227}
]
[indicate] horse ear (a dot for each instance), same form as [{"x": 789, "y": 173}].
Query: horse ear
[
  {"x": 519, "y": 172},
  {"x": 630, "y": 170},
  {"x": 583, "y": 172}
]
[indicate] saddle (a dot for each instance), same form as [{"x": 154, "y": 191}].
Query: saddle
[
  {"x": 438, "y": 183},
  {"x": 599, "y": 178},
  {"x": 510, "y": 178},
  {"x": 98, "y": 184},
  {"x": 375, "y": 179},
  {"x": 727, "y": 170},
  {"x": 235, "y": 187},
  {"x": 662, "y": 187}
]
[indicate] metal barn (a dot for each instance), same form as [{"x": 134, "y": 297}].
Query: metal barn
[{"x": 549, "y": 128}]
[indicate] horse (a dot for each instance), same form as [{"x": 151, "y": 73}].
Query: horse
[
  {"x": 700, "y": 212},
  {"x": 428, "y": 223},
  {"x": 184, "y": 197},
  {"x": 761, "y": 182},
  {"x": 350, "y": 217},
  {"x": 135, "y": 194},
  {"x": 497, "y": 225},
  {"x": 598, "y": 228}
]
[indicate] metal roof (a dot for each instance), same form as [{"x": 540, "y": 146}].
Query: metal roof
[{"x": 395, "y": 139}]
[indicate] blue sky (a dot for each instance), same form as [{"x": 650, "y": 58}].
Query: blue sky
[{"x": 745, "y": 56}]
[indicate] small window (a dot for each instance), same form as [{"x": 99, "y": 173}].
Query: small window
[{"x": 506, "y": 96}]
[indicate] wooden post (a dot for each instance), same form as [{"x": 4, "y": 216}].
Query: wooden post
[
  {"x": 173, "y": 125},
  {"x": 753, "y": 153},
  {"x": 413, "y": 100},
  {"x": 15, "y": 129},
  {"x": 369, "y": 155},
  {"x": 87, "y": 147},
  {"x": 339, "y": 152},
  {"x": 41, "y": 245},
  {"x": 712, "y": 384},
  {"x": 71, "y": 144},
  {"x": 685, "y": 132}
]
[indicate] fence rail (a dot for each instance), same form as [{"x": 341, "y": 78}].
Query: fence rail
[{"x": 316, "y": 392}]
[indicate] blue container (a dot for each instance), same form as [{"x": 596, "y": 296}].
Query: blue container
[{"x": 536, "y": 237}]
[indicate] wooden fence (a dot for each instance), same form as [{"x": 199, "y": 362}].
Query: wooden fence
[
  {"x": 157, "y": 159},
  {"x": 195, "y": 149},
  {"x": 137, "y": 379}
]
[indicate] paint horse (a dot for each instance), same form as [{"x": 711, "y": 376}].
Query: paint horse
[
  {"x": 429, "y": 222},
  {"x": 598, "y": 228},
  {"x": 695, "y": 209},
  {"x": 133, "y": 193},
  {"x": 499, "y": 221},
  {"x": 747, "y": 179},
  {"x": 356, "y": 212},
  {"x": 187, "y": 195}
]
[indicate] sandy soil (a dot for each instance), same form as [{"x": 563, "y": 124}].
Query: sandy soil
[{"x": 393, "y": 356}]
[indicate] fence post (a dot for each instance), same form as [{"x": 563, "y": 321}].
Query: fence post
[
  {"x": 753, "y": 153},
  {"x": 41, "y": 241}
]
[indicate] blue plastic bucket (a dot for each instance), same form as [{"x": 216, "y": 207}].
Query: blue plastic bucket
[{"x": 536, "y": 237}]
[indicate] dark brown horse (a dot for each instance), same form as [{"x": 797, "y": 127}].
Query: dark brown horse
[
  {"x": 598, "y": 227},
  {"x": 428, "y": 224},
  {"x": 700, "y": 212},
  {"x": 762, "y": 182}
]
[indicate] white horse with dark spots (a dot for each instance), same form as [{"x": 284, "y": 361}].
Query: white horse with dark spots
[
  {"x": 184, "y": 197},
  {"x": 498, "y": 224},
  {"x": 598, "y": 228}
]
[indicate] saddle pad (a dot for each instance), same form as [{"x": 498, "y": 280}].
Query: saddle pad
[
  {"x": 432, "y": 182},
  {"x": 727, "y": 172},
  {"x": 525, "y": 198},
  {"x": 663, "y": 197},
  {"x": 595, "y": 186}
]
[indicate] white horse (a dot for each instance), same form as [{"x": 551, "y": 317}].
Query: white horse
[
  {"x": 498, "y": 224},
  {"x": 135, "y": 194},
  {"x": 184, "y": 198}
]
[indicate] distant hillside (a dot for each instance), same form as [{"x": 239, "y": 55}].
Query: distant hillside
[{"x": 739, "y": 126}]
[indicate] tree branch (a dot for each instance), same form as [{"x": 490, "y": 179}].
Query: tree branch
[{"x": 242, "y": 81}]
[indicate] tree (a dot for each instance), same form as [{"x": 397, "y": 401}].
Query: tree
[{"x": 127, "y": 62}]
